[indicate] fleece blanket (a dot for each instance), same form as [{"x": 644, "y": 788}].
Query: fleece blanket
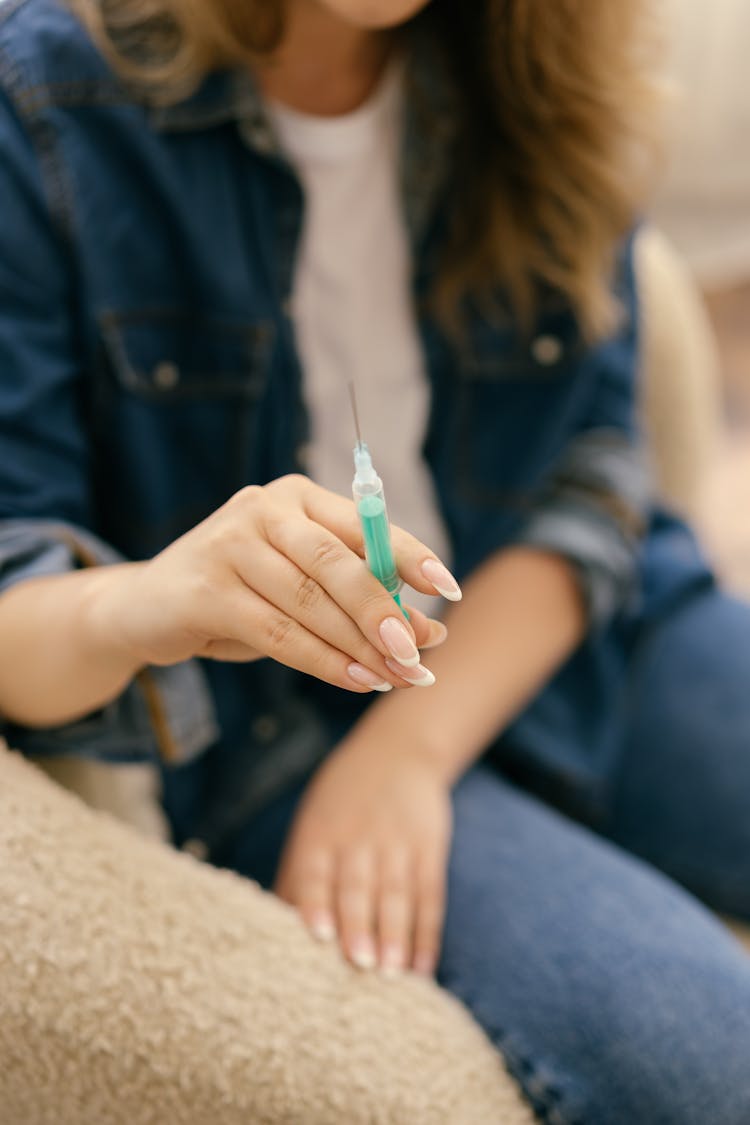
[{"x": 141, "y": 987}]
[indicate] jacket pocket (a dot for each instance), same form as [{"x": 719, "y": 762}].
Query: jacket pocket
[
  {"x": 515, "y": 403},
  {"x": 169, "y": 355},
  {"x": 177, "y": 418}
]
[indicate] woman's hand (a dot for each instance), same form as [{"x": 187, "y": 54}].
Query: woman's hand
[
  {"x": 278, "y": 571},
  {"x": 366, "y": 858}
]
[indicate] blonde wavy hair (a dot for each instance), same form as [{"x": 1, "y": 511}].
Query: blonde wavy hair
[{"x": 555, "y": 139}]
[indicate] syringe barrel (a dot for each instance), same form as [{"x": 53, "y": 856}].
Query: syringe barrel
[
  {"x": 376, "y": 531},
  {"x": 367, "y": 489}
]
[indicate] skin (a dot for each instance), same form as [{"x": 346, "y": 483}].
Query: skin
[
  {"x": 371, "y": 15},
  {"x": 366, "y": 858},
  {"x": 333, "y": 53},
  {"x": 277, "y": 572}
]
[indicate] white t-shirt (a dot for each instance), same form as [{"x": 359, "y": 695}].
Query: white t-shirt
[{"x": 353, "y": 309}]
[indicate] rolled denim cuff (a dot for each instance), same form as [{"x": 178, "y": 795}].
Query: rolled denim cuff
[
  {"x": 165, "y": 712},
  {"x": 594, "y": 513}
]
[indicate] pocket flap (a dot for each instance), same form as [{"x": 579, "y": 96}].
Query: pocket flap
[{"x": 172, "y": 354}]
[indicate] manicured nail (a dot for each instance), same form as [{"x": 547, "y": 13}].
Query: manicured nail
[
  {"x": 418, "y": 677},
  {"x": 392, "y": 960},
  {"x": 442, "y": 579},
  {"x": 397, "y": 639},
  {"x": 322, "y": 927},
  {"x": 367, "y": 678},
  {"x": 424, "y": 964},
  {"x": 438, "y": 633},
  {"x": 363, "y": 954}
]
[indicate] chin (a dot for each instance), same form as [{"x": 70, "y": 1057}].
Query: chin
[{"x": 375, "y": 14}]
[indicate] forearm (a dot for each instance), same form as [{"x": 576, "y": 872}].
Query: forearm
[
  {"x": 520, "y": 618},
  {"x": 57, "y": 660}
]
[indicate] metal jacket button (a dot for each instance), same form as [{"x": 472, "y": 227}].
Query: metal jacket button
[
  {"x": 546, "y": 350},
  {"x": 166, "y": 375},
  {"x": 265, "y": 728}
]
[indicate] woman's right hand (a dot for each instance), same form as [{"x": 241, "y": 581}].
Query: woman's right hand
[{"x": 278, "y": 571}]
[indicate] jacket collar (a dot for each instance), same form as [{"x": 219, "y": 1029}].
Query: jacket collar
[
  {"x": 224, "y": 97},
  {"x": 429, "y": 127}
]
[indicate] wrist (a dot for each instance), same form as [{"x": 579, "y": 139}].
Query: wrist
[
  {"x": 445, "y": 767},
  {"x": 399, "y": 745},
  {"x": 108, "y": 607}
]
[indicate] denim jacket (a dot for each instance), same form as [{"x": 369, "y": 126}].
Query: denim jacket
[{"x": 148, "y": 369}]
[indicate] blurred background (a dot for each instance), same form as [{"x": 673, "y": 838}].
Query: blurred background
[{"x": 703, "y": 206}]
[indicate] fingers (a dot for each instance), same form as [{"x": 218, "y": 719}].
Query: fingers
[
  {"x": 387, "y": 911},
  {"x": 300, "y": 567},
  {"x": 341, "y": 574},
  {"x": 314, "y": 893},
  {"x": 233, "y": 652},
  {"x": 429, "y": 916},
  {"x": 426, "y": 574},
  {"x": 392, "y": 917},
  {"x": 428, "y": 632},
  {"x": 373, "y": 918},
  {"x": 395, "y": 910},
  {"x": 417, "y": 564},
  {"x": 301, "y": 597},
  {"x": 251, "y": 621},
  {"x": 410, "y": 912},
  {"x": 309, "y": 639},
  {"x": 355, "y": 902}
]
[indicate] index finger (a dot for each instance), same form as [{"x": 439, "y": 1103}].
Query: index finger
[
  {"x": 316, "y": 551},
  {"x": 417, "y": 564}
]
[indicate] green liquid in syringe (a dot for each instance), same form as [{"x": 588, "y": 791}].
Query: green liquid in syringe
[{"x": 378, "y": 543}]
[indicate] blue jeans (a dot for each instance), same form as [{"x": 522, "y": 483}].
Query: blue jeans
[{"x": 613, "y": 993}]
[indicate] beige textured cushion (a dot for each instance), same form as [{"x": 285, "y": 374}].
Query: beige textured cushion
[
  {"x": 139, "y": 987},
  {"x": 681, "y": 382}
]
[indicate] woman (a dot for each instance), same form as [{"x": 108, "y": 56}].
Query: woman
[{"x": 213, "y": 220}]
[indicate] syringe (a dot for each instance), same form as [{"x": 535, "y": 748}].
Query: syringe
[{"x": 369, "y": 498}]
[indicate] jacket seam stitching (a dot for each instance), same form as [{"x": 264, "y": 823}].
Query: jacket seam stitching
[
  {"x": 81, "y": 92},
  {"x": 44, "y": 144}
]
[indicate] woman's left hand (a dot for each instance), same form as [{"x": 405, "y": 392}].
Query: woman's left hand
[{"x": 367, "y": 855}]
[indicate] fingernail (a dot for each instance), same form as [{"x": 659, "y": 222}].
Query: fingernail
[
  {"x": 424, "y": 964},
  {"x": 367, "y": 678},
  {"x": 438, "y": 633},
  {"x": 392, "y": 961},
  {"x": 418, "y": 677},
  {"x": 363, "y": 954},
  {"x": 322, "y": 927},
  {"x": 397, "y": 639},
  {"x": 442, "y": 579}
]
